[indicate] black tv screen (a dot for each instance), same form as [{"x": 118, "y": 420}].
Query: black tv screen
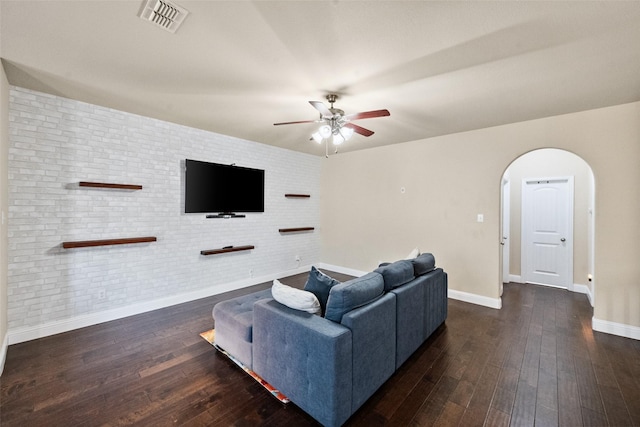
[{"x": 213, "y": 187}]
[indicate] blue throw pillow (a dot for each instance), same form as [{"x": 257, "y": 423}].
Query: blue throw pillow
[
  {"x": 353, "y": 294},
  {"x": 320, "y": 284}
]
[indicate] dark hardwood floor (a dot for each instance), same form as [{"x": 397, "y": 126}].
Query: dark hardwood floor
[{"x": 535, "y": 362}]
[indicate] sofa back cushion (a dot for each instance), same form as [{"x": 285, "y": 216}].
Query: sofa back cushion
[
  {"x": 320, "y": 284},
  {"x": 352, "y": 294},
  {"x": 423, "y": 264},
  {"x": 396, "y": 274}
]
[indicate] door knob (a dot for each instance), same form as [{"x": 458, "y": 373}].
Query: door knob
[{"x": 563, "y": 240}]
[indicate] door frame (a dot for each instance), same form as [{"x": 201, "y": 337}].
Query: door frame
[{"x": 505, "y": 231}]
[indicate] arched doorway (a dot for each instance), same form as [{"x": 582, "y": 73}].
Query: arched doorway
[{"x": 544, "y": 166}]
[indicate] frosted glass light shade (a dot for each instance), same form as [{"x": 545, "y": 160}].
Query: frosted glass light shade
[
  {"x": 325, "y": 131},
  {"x": 340, "y": 134},
  {"x": 346, "y": 133}
]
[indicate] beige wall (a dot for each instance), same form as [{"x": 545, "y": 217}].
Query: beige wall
[
  {"x": 553, "y": 163},
  {"x": 4, "y": 192},
  {"x": 450, "y": 179}
]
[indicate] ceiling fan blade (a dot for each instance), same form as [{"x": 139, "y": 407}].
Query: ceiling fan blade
[
  {"x": 367, "y": 115},
  {"x": 359, "y": 129},
  {"x": 326, "y": 113},
  {"x": 295, "y": 123}
]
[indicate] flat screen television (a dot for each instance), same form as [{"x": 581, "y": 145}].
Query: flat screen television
[{"x": 224, "y": 189}]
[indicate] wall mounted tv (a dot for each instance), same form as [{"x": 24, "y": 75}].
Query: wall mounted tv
[{"x": 225, "y": 189}]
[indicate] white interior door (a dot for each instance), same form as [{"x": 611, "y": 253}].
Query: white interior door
[
  {"x": 547, "y": 231},
  {"x": 506, "y": 227}
]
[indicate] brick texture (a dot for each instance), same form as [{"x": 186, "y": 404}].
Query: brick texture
[{"x": 57, "y": 142}]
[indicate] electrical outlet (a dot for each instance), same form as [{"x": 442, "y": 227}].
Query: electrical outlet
[
  {"x": 251, "y": 272},
  {"x": 102, "y": 294},
  {"x": 297, "y": 258}
]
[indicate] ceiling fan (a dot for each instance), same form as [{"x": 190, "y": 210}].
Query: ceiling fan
[{"x": 336, "y": 125}]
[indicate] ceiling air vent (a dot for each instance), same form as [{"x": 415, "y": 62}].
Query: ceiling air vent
[{"x": 163, "y": 14}]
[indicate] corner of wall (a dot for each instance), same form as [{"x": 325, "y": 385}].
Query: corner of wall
[
  {"x": 3, "y": 351},
  {"x": 340, "y": 269},
  {"x": 584, "y": 289},
  {"x": 4, "y": 190}
]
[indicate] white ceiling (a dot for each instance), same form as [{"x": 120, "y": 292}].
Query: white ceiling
[{"x": 237, "y": 67}]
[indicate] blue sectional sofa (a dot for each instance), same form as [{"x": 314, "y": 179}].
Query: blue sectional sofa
[{"x": 330, "y": 364}]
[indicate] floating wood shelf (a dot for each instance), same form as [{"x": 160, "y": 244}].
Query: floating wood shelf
[
  {"x": 109, "y": 185},
  {"x": 108, "y": 242},
  {"x": 226, "y": 250},
  {"x": 298, "y": 196},
  {"x": 294, "y": 230}
]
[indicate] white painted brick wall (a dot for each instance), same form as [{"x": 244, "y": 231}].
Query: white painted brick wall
[{"x": 57, "y": 142}]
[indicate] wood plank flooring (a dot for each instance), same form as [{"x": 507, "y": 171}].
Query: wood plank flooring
[{"x": 535, "y": 362}]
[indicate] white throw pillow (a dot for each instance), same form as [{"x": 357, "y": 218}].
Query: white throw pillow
[
  {"x": 295, "y": 298},
  {"x": 414, "y": 253}
]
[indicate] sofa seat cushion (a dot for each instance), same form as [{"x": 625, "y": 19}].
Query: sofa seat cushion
[
  {"x": 396, "y": 274},
  {"x": 423, "y": 264},
  {"x": 235, "y": 316},
  {"x": 352, "y": 294},
  {"x": 320, "y": 285}
]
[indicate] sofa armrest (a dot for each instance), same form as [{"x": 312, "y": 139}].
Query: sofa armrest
[
  {"x": 306, "y": 357},
  {"x": 435, "y": 300}
]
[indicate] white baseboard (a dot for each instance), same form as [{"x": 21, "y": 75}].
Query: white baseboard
[
  {"x": 18, "y": 335},
  {"x": 475, "y": 299},
  {"x": 339, "y": 269},
  {"x": 3, "y": 352},
  {"x": 579, "y": 288},
  {"x": 28, "y": 333},
  {"x": 614, "y": 328},
  {"x": 453, "y": 294},
  {"x": 584, "y": 289}
]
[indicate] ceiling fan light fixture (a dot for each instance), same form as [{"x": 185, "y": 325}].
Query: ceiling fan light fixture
[
  {"x": 346, "y": 132},
  {"x": 335, "y": 124},
  {"x": 317, "y": 137},
  {"x": 325, "y": 131}
]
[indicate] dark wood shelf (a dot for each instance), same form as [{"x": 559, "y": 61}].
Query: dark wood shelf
[
  {"x": 226, "y": 250},
  {"x": 297, "y": 196},
  {"x": 295, "y": 230},
  {"x": 107, "y": 242},
  {"x": 109, "y": 185}
]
